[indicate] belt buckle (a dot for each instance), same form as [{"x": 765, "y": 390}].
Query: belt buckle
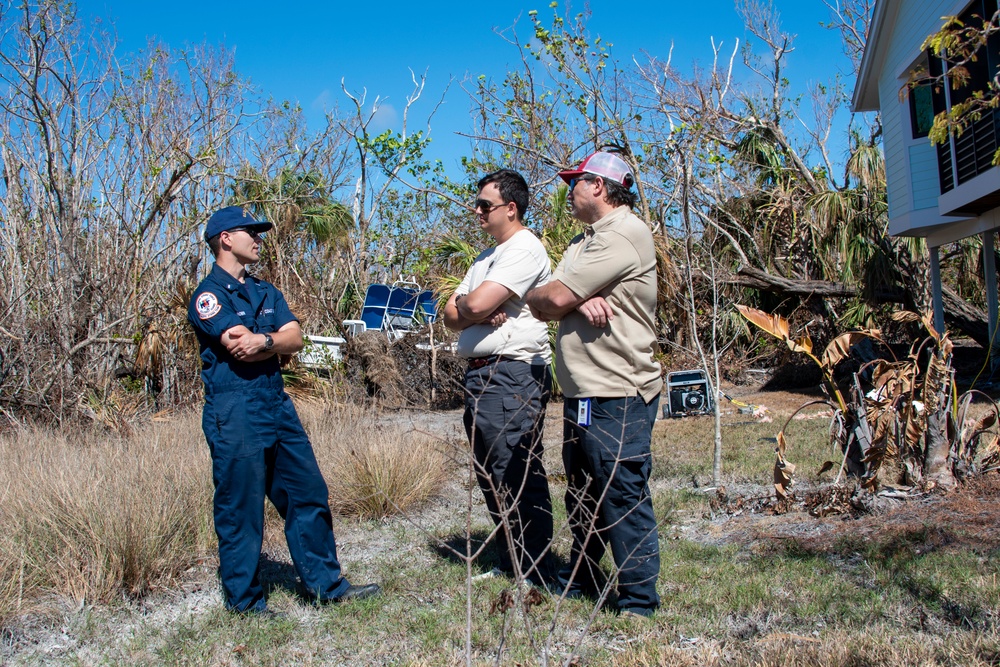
[{"x": 479, "y": 362}]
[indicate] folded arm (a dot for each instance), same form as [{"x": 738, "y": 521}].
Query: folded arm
[
  {"x": 553, "y": 301},
  {"x": 481, "y": 305},
  {"x": 249, "y": 347}
]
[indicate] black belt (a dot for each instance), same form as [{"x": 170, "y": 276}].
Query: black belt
[{"x": 475, "y": 363}]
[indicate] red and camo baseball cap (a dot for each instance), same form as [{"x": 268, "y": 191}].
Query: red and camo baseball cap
[{"x": 605, "y": 165}]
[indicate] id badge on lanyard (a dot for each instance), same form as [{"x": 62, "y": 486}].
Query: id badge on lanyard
[{"x": 583, "y": 412}]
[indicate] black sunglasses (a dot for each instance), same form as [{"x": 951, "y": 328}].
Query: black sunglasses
[
  {"x": 257, "y": 234},
  {"x": 486, "y": 206},
  {"x": 574, "y": 181}
]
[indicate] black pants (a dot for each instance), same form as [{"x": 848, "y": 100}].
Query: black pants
[
  {"x": 607, "y": 497},
  {"x": 504, "y": 410}
]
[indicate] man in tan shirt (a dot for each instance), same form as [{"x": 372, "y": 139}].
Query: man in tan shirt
[{"x": 603, "y": 294}]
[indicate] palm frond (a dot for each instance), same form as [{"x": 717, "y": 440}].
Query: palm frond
[
  {"x": 867, "y": 165},
  {"x": 328, "y": 223}
]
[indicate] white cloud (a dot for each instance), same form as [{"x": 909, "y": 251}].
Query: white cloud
[
  {"x": 322, "y": 102},
  {"x": 385, "y": 118}
]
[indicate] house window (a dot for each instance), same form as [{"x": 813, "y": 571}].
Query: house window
[
  {"x": 921, "y": 110},
  {"x": 964, "y": 157}
]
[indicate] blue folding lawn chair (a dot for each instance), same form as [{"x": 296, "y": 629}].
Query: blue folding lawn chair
[
  {"x": 428, "y": 304},
  {"x": 401, "y": 309},
  {"x": 395, "y": 309},
  {"x": 376, "y": 302}
]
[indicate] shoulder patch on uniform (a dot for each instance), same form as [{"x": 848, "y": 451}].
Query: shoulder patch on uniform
[{"x": 207, "y": 305}]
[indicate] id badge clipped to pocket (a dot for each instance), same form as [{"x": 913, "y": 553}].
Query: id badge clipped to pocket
[{"x": 583, "y": 412}]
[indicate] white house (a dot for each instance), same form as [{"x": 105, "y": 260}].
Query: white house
[{"x": 941, "y": 193}]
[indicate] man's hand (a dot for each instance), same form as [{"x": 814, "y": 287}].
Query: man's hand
[
  {"x": 243, "y": 344},
  {"x": 597, "y": 311},
  {"x": 497, "y": 317},
  {"x": 480, "y": 306},
  {"x": 248, "y": 347}
]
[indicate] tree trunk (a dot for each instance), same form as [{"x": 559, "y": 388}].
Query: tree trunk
[
  {"x": 937, "y": 447},
  {"x": 958, "y": 313}
]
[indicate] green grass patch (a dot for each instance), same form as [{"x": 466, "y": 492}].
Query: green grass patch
[{"x": 683, "y": 448}]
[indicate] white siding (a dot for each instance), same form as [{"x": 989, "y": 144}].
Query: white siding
[
  {"x": 915, "y": 21},
  {"x": 897, "y": 183},
  {"x": 909, "y": 169},
  {"x": 924, "y": 175}
]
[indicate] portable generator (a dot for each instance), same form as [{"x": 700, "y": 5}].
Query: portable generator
[{"x": 688, "y": 393}]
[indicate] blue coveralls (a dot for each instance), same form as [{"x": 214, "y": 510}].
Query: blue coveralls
[{"x": 258, "y": 447}]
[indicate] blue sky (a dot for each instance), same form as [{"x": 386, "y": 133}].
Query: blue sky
[{"x": 299, "y": 51}]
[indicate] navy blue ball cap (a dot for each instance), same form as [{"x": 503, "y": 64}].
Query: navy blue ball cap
[{"x": 232, "y": 217}]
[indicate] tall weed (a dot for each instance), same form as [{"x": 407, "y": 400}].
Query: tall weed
[
  {"x": 373, "y": 470},
  {"x": 94, "y": 515}
]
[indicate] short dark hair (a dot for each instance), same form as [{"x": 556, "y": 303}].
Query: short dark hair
[
  {"x": 215, "y": 244},
  {"x": 512, "y": 186},
  {"x": 618, "y": 194}
]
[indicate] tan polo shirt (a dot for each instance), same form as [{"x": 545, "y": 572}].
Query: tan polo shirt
[{"x": 613, "y": 258}]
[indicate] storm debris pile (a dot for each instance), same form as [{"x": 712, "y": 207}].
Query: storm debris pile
[{"x": 404, "y": 372}]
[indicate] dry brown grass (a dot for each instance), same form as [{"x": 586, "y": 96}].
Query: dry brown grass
[
  {"x": 96, "y": 515},
  {"x": 11, "y": 579},
  {"x": 93, "y": 515},
  {"x": 373, "y": 470}
]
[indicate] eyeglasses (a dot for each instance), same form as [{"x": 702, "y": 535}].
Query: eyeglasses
[
  {"x": 254, "y": 233},
  {"x": 574, "y": 181},
  {"x": 486, "y": 206}
]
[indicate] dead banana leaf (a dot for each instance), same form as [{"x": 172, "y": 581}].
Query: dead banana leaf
[
  {"x": 882, "y": 416},
  {"x": 972, "y": 437},
  {"x": 946, "y": 346},
  {"x": 991, "y": 453},
  {"x": 916, "y": 424},
  {"x": 986, "y": 421},
  {"x": 776, "y": 325},
  {"x": 892, "y": 379},
  {"x": 982, "y": 424},
  {"x": 803, "y": 344},
  {"x": 936, "y": 382},
  {"x": 928, "y": 320},
  {"x": 840, "y": 347},
  {"x": 783, "y": 470},
  {"x": 883, "y": 419},
  {"x": 905, "y": 316}
]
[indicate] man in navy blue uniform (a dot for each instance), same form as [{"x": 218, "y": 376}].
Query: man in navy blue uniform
[{"x": 257, "y": 442}]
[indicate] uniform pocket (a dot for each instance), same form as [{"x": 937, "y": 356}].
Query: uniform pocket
[
  {"x": 625, "y": 456},
  {"x": 623, "y": 425},
  {"x": 238, "y": 425}
]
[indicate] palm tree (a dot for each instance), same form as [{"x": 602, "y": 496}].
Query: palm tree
[
  {"x": 560, "y": 227},
  {"x": 309, "y": 229}
]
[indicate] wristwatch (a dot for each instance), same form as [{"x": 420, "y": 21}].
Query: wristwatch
[{"x": 268, "y": 342}]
